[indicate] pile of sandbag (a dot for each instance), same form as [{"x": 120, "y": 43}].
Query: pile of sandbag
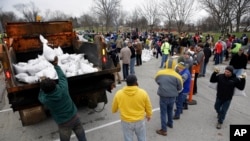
[
  {"x": 34, "y": 69},
  {"x": 147, "y": 55}
]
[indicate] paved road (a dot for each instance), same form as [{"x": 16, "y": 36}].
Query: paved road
[{"x": 196, "y": 124}]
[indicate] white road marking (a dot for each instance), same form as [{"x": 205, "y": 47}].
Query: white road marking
[
  {"x": 6, "y": 110},
  {"x": 104, "y": 125}
]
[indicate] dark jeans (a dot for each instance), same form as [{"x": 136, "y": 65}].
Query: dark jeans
[
  {"x": 217, "y": 58},
  {"x": 138, "y": 59},
  {"x": 158, "y": 52},
  {"x": 221, "y": 107},
  {"x": 179, "y": 103},
  {"x": 195, "y": 83},
  {"x": 166, "y": 107},
  {"x": 74, "y": 124},
  {"x": 164, "y": 58},
  {"x": 125, "y": 71}
]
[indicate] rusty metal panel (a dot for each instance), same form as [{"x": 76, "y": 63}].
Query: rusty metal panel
[{"x": 26, "y": 35}]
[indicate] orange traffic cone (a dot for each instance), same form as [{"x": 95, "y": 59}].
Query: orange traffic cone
[{"x": 190, "y": 98}]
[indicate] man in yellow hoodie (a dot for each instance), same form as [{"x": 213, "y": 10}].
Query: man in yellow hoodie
[{"x": 134, "y": 105}]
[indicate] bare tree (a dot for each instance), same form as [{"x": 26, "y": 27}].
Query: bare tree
[
  {"x": 246, "y": 22},
  {"x": 29, "y": 11},
  {"x": 106, "y": 8},
  {"x": 87, "y": 20},
  {"x": 118, "y": 18},
  {"x": 180, "y": 11},
  {"x": 220, "y": 10},
  {"x": 58, "y": 15},
  {"x": 241, "y": 8},
  {"x": 6, "y": 17},
  {"x": 150, "y": 10},
  {"x": 168, "y": 13}
]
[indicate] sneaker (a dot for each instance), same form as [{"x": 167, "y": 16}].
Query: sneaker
[
  {"x": 176, "y": 117},
  {"x": 170, "y": 126},
  {"x": 176, "y": 110},
  {"x": 218, "y": 125},
  {"x": 185, "y": 108},
  {"x": 161, "y": 132}
]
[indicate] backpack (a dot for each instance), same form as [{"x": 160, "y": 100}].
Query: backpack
[{"x": 114, "y": 56}]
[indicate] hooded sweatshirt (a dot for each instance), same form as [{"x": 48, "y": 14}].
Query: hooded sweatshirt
[
  {"x": 133, "y": 104},
  {"x": 59, "y": 102},
  {"x": 169, "y": 81}
]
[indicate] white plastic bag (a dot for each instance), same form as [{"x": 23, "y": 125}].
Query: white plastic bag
[{"x": 48, "y": 53}]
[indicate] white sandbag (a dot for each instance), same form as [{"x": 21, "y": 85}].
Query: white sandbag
[
  {"x": 76, "y": 57},
  {"x": 21, "y": 75},
  {"x": 70, "y": 74},
  {"x": 50, "y": 72},
  {"x": 19, "y": 69},
  {"x": 86, "y": 68},
  {"x": 48, "y": 53},
  {"x": 80, "y": 72},
  {"x": 63, "y": 67},
  {"x": 33, "y": 61},
  {"x": 58, "y": 51},
  {"x": 33, "y": 69},
  {"x": 63, "y": 58},
  {"x": 43, "y": 40},
  {"x": 73, "y": 67},
  {"x": 29, "y": 79},
  {"x": 84, "y": 61},
  {"x": 22, "y": 64},
  {"x": 41, "y": 58}
]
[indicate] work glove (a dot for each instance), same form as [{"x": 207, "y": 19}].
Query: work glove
[
  {"x": 55, "y": 62},
  {"x": 216, "y": 69},
  {"x": 243, "y": 75}
]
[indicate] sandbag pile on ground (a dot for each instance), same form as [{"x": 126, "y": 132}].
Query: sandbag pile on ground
[
  {"x": 147, "y": 55},
  {"x": 34, "y": 69}
]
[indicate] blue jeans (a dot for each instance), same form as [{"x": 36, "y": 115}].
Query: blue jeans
[
  {"x": 221, "y": 107},
  {"x": 222, "y": 56},
  {"x": 179, "y": 103},
  {"x": 129, "y": 128},
  {"x": 204, "y": 68},
  {"x": 166, "y": 108},
  {"x": 238, "y": 72},
  {"x": 164, "y": 58},
  {"x": 132, "y": 65},
  {"x": 74, "y": 124},
  {"x": 217, "y": 58},
  {"x": 125, "y": 71}
]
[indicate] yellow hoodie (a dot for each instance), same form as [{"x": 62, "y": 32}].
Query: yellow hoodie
[{"x": 133, "y": 103}]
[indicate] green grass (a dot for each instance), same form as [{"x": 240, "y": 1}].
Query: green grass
[{"x": 217, "y": 35}]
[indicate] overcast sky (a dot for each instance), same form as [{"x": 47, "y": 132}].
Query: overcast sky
[{"x": 70, "y": 7}]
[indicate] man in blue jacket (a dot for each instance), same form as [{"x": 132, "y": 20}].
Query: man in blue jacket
[
  {"x": 56, "y": 98},
  {"x": 181, "y": 100}
]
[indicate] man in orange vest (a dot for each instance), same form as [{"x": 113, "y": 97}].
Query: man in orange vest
[{"x": 198, "y": 60}]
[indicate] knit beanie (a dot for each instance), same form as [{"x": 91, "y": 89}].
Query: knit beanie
[
  {"x": 131, "y": 80},
  {"x": 181, "y": 65},
  {"x": 230, "y": 68}
]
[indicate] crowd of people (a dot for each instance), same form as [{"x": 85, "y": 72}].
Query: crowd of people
[
  {"x": 173, "y": 80},
  {"x": 195, "y": 53}
]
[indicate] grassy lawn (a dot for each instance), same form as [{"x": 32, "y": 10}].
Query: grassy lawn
[{"x": 217, "y": 35}]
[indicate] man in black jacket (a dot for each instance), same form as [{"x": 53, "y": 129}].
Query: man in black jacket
[{"x": 227, "y": 82}]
